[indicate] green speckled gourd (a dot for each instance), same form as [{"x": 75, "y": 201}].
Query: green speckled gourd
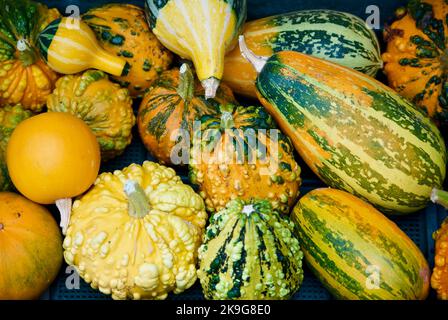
[
  {"x": 102, "y": 104},
  {"x": 250, "y": 252},
  {"x": 10, "y": 117},
  {"x": 240, "y": 153}
]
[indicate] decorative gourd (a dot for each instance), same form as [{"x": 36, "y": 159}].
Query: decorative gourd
[
  {"x": 416, "y": 59},
  {"x": 24, "y": 78},
  {"x": 355, "y": 133},
  {"x": 250, "y": 252},
  {"x": 335, "y": 36},
  {"x": 31, "y": 248},
  {"x": 439, "y": 278},
  {"x": 51, "y": 158},
  {"x": 202, "y": 31},
  {"x": 101, "y": 104},
  {"x": 122, "y": 30},
  {"x": 241, "y": 154},
  {"x": 69, "y": 46},
  {"x": 10, "y": 117},
  {"x": 135, "y": 234},
  {"x": 167, "y": 114},
  {"x": 355, "y": 251}
]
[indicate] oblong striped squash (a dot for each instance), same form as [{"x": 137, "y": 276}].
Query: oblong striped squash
[
  {"x": 250, "y": 252},
  {"x": 199, "y": 30},
  {"x": 335, "y": 36},
  {"x": 355, "y": 133},
  {"x": 355, "y": 251}
]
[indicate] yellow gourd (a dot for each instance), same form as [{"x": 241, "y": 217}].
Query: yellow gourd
[
  {"x": 69, "y": 46},
  {"x": 51, "y": 158},
  {"x": 135, "y": 234}
]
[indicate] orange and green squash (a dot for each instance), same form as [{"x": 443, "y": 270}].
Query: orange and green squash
[{"x": 439, "y": 278}]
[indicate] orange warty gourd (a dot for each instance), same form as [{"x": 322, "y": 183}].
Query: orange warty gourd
[
  {"x": 53, "y": 157},
  {"x": 30, "y": 248}
]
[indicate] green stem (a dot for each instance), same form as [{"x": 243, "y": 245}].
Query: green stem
[
  {"x": 27, "y": 55},
  {"x": 186, "y": 83},
  {"x": 227, "y": 121},
  {"x": 138, "y": 202},
  {"x": 440, "y": 197}
]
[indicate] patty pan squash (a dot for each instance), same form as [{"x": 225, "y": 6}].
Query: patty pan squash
[
  {"x": 135, "y": 234},
  {"x": 101, "y": 104}
]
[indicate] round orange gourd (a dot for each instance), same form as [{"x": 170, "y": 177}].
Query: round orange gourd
[
  {"x": 30, "y": 248},
  {"x": 53, "y": 156}
]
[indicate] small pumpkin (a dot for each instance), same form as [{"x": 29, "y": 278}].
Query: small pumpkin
[
  {"x": 241, "y": 154},
  {"x": 101, "y": 104},
  {"x": 416, "y": 59},
  {"x": 51, "y": 158},
  {"x": 31, "y": 248},
  {"x": 439, "y": 278},
  {"x": 135, "y": 234},
  {"x": 24, "y": 77},
  {"x": 10, "y": 117},
  {"x": 122, "y": 30},
  {"x": 167, "y": 113},
  {"x": 250, "y": 252}
]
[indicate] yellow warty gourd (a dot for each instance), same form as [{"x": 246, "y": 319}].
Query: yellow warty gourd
[
  {"x": 199, "y": 30},
  {"x": 135, "y": 234}
]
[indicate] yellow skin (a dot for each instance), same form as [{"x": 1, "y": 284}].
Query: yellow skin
[{"x": 140, "y": 243}]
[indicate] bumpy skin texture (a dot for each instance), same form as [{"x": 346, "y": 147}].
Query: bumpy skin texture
[
  {"x": 31, "y": 248},
  {"x": 137, "y": 258},
  {"x": 24, "y": 77},
  {"x": 101, "y": 104},
  {"x": 226, "y": 164},
  {"x": 10, "y": 117},
  {"x": 251, "y": 253},
  {"x": 439, "y": 278},
  {"x": 164, "y": 111},
  {"x": 122, "y": 30},
  {"x": 417, "y": 56}
]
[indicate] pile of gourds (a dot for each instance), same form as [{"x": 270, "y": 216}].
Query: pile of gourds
[{"x": 67, "y": 88}]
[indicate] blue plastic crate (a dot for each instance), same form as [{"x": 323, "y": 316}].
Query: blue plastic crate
[{"x": 419, "y": 226}]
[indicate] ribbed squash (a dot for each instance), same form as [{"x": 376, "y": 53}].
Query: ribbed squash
[
  {"x": 135, "y": 234},
  {"x": 335, "y": 36},
  {"x": 355, "y": 251},
  {"x": 250, "y": 252},
  {"x": 416, "y": 60},
  {"x": 24, "y": 77},
  {"x": 10, "y": 117},
  {"x": 240, "y": 154},
  {"x": 355, "y": 133},
  {"x": 123, "y": 30},
  {"x": 199, "y": 30},
  {"x": 101, "y": 104},
  {"x": 167, "y": 114},
  {"x": 439, "y": 278}
]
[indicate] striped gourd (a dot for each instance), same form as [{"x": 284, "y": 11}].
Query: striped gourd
[
  {"x": 355, "y": 133},
  {"x": 69, "y": 46},
  {"x": 331, "y": 35},
  {"x": 199, "y": 30},
  {"x": 250, "y": 252},
  {"x": 355, "y": 251}
]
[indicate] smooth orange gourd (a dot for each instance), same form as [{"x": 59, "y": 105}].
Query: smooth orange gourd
[{"x": 53, "y": 156}]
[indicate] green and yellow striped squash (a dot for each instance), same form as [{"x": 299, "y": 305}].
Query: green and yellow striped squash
[
  {"x": 355, "y": 251},
  {"x": 250, "y": 252},
  {"x": 355, "y": 133},
  {"x": 335, "y": 36},
  {"x": 199, "y": 30}
]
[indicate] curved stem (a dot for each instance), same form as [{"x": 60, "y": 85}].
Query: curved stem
[
  {"x": 65, "y": 209},
  {"x": 138, "y": 202},
  {"x": 25, "y": 53},
  {"x": 440, "y": 197},
  {"x": 186, "y": 83},
  {"x": 258, "y": 62}
]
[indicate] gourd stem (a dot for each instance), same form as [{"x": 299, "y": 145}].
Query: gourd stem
[
  {"x": 258, "y": 62},
  {"x": 211, "y": 86},
  {"x": 248, "y": 209},
  {"x": 186, "y": 83},
  {"x": 65, "y": 209},
  {"x": 26, "y": 54},
  {"x": 138, "y": 202},
  {"x": 227, "y": 121},
  {"x": 440, "y": 197}
]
